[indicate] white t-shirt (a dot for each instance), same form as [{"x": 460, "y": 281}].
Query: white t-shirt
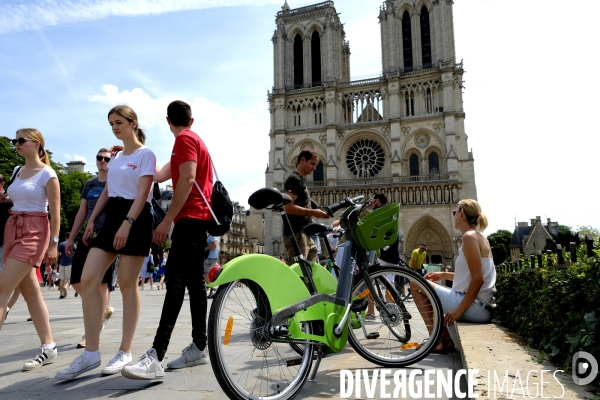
[
  {"x": 125, "y": 171},
  {"x": 29, "y": 195}
]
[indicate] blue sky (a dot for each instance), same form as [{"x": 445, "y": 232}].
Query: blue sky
[{"x": 530, "y": 89}]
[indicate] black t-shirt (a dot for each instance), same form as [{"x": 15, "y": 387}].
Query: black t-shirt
[{"x": 296, "y": 184}]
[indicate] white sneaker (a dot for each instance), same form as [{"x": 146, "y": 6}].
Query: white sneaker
[
  {"x": 79, "y": 365},
  {"x": 190, "y": 356},
  {"x": 147, "y": 368},
  {"x": 117, "y": 363},
  {"x": 43, "y": 357}
]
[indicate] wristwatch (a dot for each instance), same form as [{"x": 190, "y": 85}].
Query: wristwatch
[
  {"x": 130, "y": 220},
  {"x": 54, "y": 239}
]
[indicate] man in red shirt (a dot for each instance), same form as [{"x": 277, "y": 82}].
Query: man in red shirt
[{"x": 190, "y": 168}]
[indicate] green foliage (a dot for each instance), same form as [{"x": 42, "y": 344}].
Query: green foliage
[
  {"x": 500, "y": 243},
  {"x": 9, "y": 158},
  {"x": 565, "y": 236},
  {"x": 70, "y": 196},
  {"x": 588, "y": 230},
  {"x": 554, "y": 309}
]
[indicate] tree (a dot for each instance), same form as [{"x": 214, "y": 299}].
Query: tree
[
  {"x": 9, "y": 158},
  {"x": 588, "y": 230},
  {"x": 70, "y": 196},
  {"x": 500, "y": 244},
  {"x": 565, "y": 236}
]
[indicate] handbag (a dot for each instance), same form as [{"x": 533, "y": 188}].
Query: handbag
[
  {"x": 150, "y": 267},
  {"x": 158, "y": 214}
]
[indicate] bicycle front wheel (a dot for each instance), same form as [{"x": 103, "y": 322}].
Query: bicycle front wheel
[
  {"x": 246, "y": 363},
  {"x": 415, "y": 325}
]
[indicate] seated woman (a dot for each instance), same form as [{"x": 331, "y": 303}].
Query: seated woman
[{"x": 474, "y": 277}]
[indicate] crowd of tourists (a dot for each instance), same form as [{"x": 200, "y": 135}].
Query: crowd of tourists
[{"x": 116, "y": 206}]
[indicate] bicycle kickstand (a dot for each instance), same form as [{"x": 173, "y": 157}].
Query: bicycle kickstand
[{"x": 317, "y": 364}]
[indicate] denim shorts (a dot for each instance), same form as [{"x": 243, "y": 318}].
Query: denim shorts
[{"x": 450, "y": 301}]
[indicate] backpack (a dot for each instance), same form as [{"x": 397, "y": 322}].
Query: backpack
[{"x": 222, "y": 207}]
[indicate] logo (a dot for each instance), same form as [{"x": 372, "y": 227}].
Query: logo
[
  {"x": 133, "y": 167},
  {"x": 581, "y": 371}
]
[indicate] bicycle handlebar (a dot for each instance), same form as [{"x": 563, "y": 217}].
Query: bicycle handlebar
[{"x": 347, "y": 202}]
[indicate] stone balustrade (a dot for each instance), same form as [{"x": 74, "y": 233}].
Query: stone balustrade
[{"x": 407, "y": 190}]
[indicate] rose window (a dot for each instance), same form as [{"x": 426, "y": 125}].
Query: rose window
[{"x": 365, "y": 158}]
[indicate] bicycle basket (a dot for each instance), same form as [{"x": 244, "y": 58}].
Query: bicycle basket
[{"x": 379, "y": 228}]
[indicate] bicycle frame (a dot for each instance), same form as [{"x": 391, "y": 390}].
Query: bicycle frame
[{"x": 316, "y": 298}]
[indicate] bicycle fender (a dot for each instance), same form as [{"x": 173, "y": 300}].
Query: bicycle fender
[
  {"x": 324, "y": 281},
  {"x": 281, "y": 285}
]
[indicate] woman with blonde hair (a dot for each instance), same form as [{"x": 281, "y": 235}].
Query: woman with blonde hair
[
  {"x": 127, "y": 231},
  {"x": 30, "y": 238},
  {"x": 474, "y": 278}
]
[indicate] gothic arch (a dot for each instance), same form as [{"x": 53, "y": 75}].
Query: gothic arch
[
  {"x": 402, "y": 8},
  {"x": 422, "y": 3},
  {"x": 365, "y": 133},
  {"x": 430, "y": 231},
  {"x": 292, "y": 156},
  {"x": 314, "y": 26},
  {"x": 296, "y": 29},
  {"x": 441, "y": 159},
  {"x": 435, "y": 141}
]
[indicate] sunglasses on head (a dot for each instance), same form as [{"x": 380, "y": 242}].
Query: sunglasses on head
[
  {"x": 21, "y": 141},
  {"x": 455, "y": 211},
  {"x": 100, "y": 158}
]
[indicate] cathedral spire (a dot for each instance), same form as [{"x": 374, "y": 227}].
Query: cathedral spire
[{"x": 285, "y": 7}]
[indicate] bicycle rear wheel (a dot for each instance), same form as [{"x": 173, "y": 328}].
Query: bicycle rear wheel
[
  {"x": 246, "y": 363},
  {"x": 416, "y": 323}
]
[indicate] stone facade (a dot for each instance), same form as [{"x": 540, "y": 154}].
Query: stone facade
[
  {"x": 75, "y": 166},
  {"x": 401, "y": 133}
]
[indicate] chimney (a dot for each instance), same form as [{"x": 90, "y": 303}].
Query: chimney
[{"x": 533, "y": 221}]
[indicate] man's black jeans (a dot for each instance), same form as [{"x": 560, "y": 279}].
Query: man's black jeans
[{"x": 184, "y": 268}]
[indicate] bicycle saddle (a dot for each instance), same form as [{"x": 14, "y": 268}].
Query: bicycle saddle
[
  {"x": 316, "y": 229},
  {"x": 268, "y": 197}
]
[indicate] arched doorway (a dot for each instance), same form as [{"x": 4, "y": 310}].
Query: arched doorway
[{"x": 430, "y": 231}]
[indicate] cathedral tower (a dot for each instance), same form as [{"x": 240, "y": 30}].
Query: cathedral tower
[{"x": 401, "y": 134}]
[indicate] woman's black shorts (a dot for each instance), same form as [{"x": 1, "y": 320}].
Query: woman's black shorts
[
  {"x": 140, "y": 235},
  {"x": 79, "y": 261}
]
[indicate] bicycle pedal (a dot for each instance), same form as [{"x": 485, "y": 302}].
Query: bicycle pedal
[
  {"x": 359, "y": 305},
  {"x": 373, "y": 335},
  {"x": 293, "y": 361}
]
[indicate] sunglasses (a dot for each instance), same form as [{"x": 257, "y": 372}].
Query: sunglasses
[
  {"x": 100, "y": 158},
  {"x": 21, "y": 141}
]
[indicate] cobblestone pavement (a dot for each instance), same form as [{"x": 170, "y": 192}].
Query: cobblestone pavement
[{"x": 19, "y": 342}]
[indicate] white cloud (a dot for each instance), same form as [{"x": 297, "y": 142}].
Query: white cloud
[
  {"x": 238, "y": 142},
  {"x": 80, "y": 158},
  {"x": 44, "y": 13}
]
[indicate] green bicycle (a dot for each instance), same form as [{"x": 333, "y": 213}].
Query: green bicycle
[{"x": 268, "y": 322}]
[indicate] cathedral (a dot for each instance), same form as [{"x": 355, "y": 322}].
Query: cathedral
[{"x": 400, "y": 133}]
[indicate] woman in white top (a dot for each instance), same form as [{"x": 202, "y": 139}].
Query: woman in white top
[
  {"x": 29, "y": 237},
  {"x": 127, "y": 231},
  {"x": 474, "y": 278}
]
